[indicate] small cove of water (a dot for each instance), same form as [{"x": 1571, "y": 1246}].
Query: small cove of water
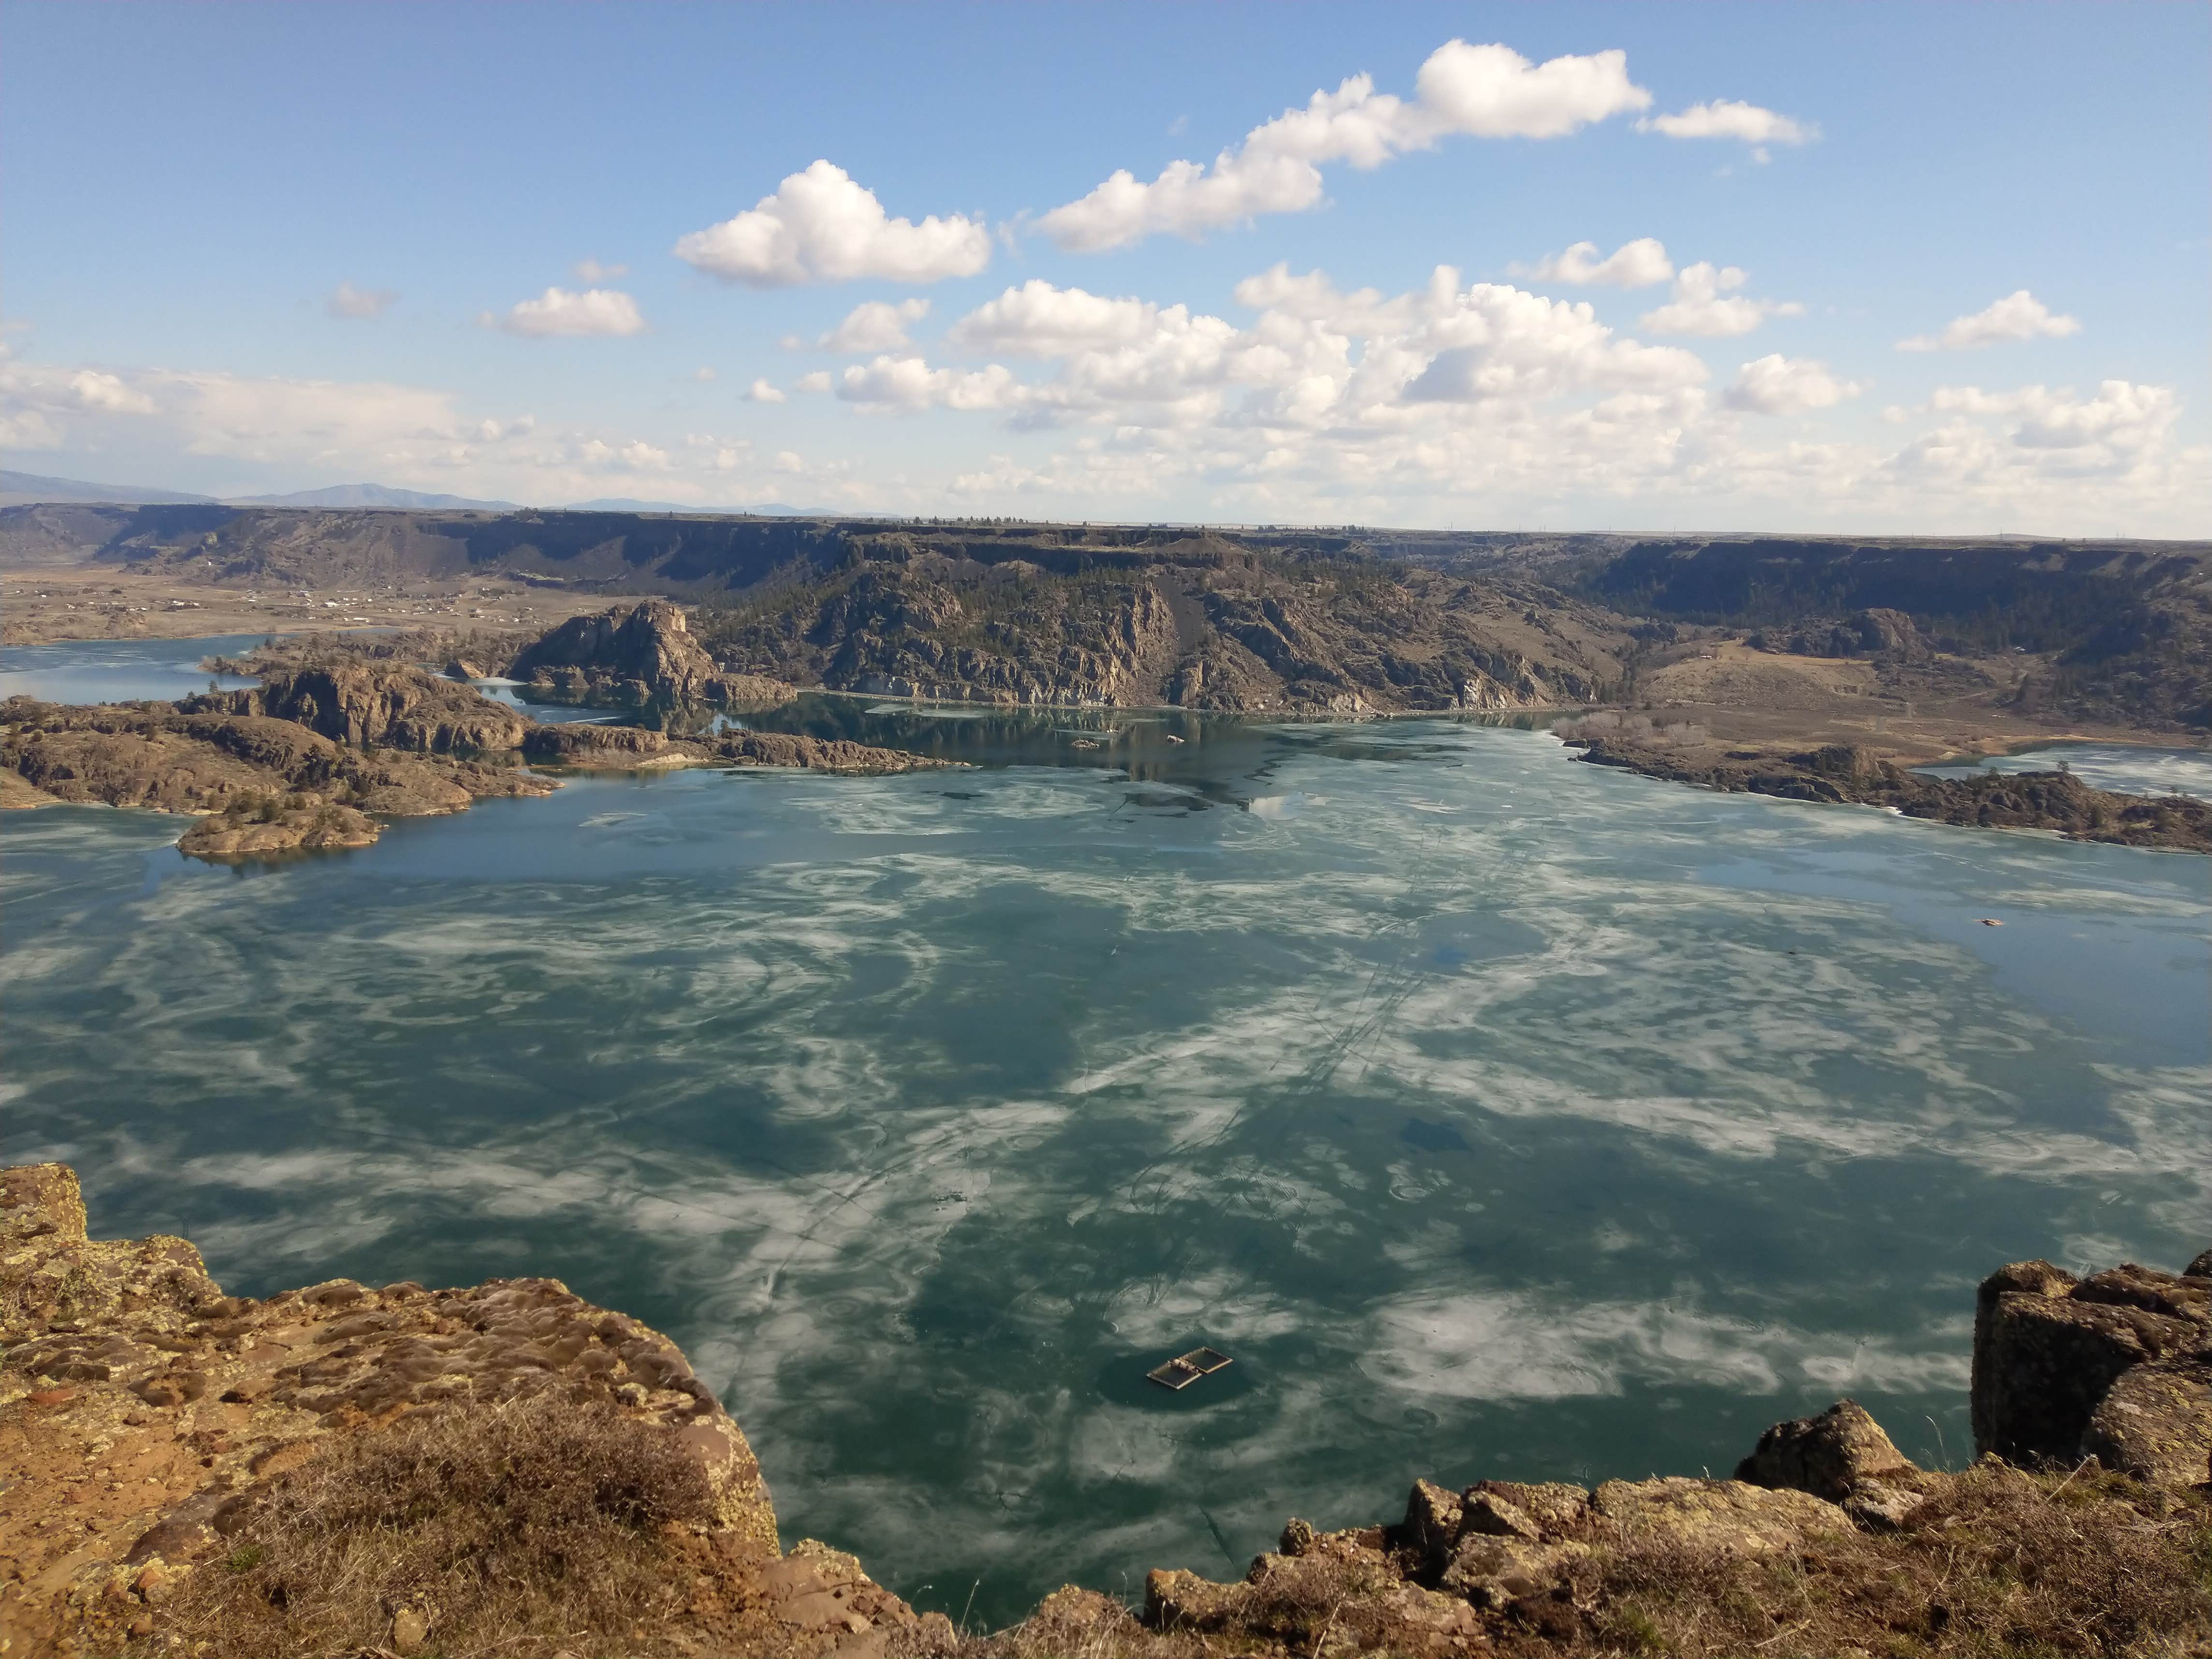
[
  {"x": 1501, "y": 1114},
  {"x": 120, "y": 671}
]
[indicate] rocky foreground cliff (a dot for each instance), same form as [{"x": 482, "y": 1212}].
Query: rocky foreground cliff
[{"x": 508, "y": 1470}]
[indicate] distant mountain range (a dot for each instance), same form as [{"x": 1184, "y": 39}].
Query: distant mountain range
[
  {"x": 369, "y": 495},
  {"x": 21, "y": 488},
  {"x": 626, "y": 504}
]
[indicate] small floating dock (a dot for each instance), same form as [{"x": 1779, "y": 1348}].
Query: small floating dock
[{"x": 1186, "y": 1369}]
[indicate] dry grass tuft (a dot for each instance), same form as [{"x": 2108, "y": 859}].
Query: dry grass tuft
[
  {"x": 1998, "y": 1563},
  {"x": 510, "y": 1529},
  {"x": 2003, "y": 1563}
]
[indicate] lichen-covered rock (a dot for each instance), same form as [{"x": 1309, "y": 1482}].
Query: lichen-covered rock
[
  {"x": 1430, "y": 1529},
  {"x": 1491, "y": 1570},
  {"x": 2049, "y": 1349},
  {"x": 1553, "y": 1507},
  {"x": 1727, "y": 1515},
  {"x": 1830, "y": 1456},
  {"x": 2155, "y": 1422},
  {"x": 1178, "y": 1600}
]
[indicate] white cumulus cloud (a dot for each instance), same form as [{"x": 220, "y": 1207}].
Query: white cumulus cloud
[
  {"x": 1726, "y": 118},
  {"x": 890, "y": 384},
  {"x": 359, "y": 304},
  {"x": 821, "y": 226},
  {"x": 1314, "y": 359},
  {"x": 1479, "y": 91},
  {"x": 107, "y": 393},
  {"x": 561, "y": 313},
  {"x": 1706, "y": 301},
  {"x": 1776, "y": 385},
  {"x": 763, "y": 390},
  {"x": 1502, "y": 343},
  {"x": 2019, "y": 316},
  {"x": 1640, "y": 263},
  {"x": 2123, "y": 414},
  {"x": 1040, "y": 320},
  {"x": 877, "y": 326}
]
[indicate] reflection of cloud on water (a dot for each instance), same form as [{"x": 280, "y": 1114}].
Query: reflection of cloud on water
[
  {"x": 1168, "y": 1067},
  {"x": 1509, "y": 1346}
]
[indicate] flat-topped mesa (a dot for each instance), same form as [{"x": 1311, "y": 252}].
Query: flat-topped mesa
[{"x": 643, "y": 653}]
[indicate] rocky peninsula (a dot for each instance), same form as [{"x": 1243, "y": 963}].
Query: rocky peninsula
[
  {"x": 1840, "y": 773},
  {"x": 505, "y": 1468},
  {"x": 325, "y": 747}
]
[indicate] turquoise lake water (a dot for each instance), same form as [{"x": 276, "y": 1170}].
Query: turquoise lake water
[{"x": 1501, "y": 1114}]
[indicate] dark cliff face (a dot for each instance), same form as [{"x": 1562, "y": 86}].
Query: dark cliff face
[
  {"x": 649, "y": 644},
  {"x": 2128, "y": 624},
  {"x": 1220, "y": 634},
  {"x": 635, "y": 656}
]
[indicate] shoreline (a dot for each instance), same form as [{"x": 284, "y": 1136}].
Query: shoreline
[{"x": 2055, "y": 802}]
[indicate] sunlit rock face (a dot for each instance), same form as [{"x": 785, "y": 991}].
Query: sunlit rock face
[{"x": 636, "y": 655}]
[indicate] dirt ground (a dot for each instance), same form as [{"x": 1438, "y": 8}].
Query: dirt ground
[
  {"x": 41, "y": 607},
  {"x": 1725, "y": 695}
]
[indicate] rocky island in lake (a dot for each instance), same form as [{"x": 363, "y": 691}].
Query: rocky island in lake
[{"x": 312, "y": 758}]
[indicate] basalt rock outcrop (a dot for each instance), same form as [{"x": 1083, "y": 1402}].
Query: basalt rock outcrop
[
  {"x": 632, "y": 748},
  {"x": 366, "y": 707},
  {"x": 2117, "y": 1366},
  {"x": 146, "y": 1417},
  {"x": 269, "y": 784},
  {"x": 250, "y": 828},
  {"x": 310, "y": 759},
  {"x": 636, "y": 655},
  {"x": 1842, "y": 773},
  {"x": 1874, "y": 633},
  {"x": 1199, "y": 625}
]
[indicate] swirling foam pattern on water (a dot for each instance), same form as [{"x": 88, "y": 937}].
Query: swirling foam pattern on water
[{"x": 1500, "y": 1115}]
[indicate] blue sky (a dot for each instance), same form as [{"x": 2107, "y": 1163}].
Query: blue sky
[{"x": 474, "y": 249}]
